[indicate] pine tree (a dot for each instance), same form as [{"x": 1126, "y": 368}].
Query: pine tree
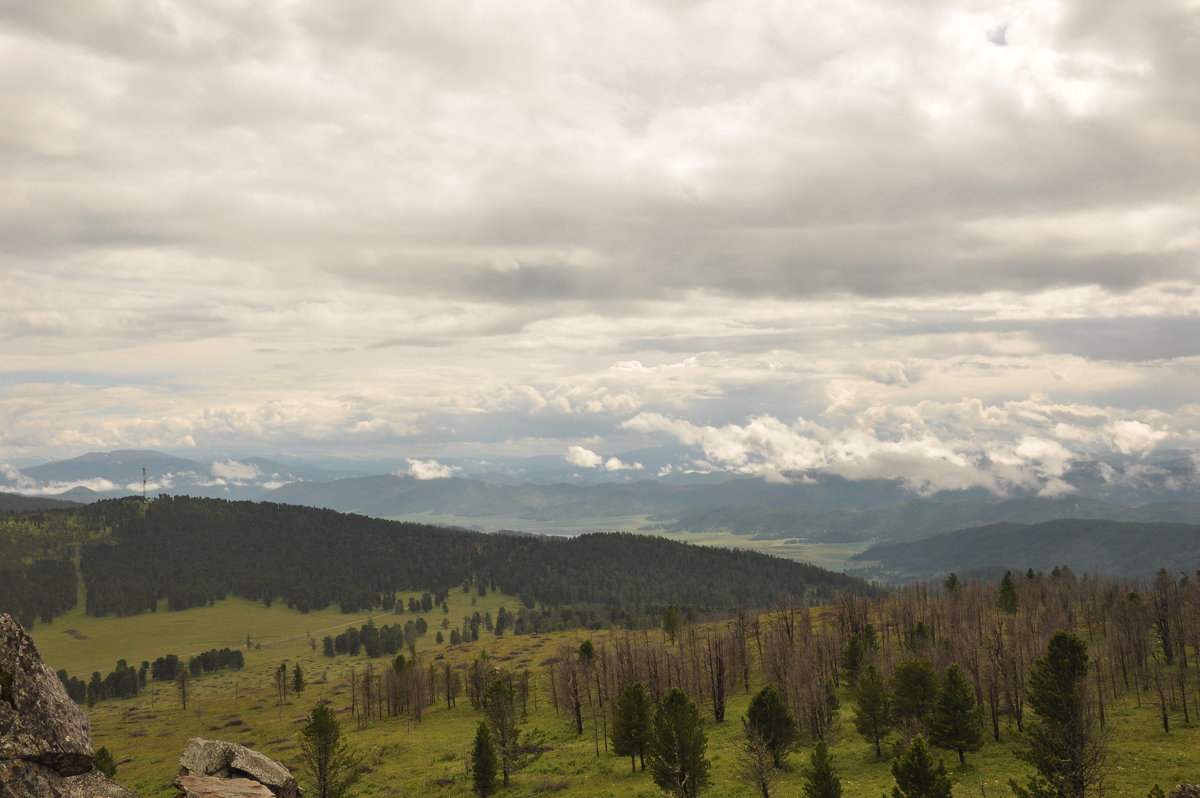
[
  {"x": 500, "y": 714},
  {"x": 853, "y": 657},
  {"x": 820, "y": 779},
  {"x": 1064, "y": 745},
  {"x": 873, "y": 718},
  {"x": 104, "y": 762},
  {"x": 483, "y": 762},
  {"x": 769, "y": 717},
  {"x": 632, "y": 719},
  {"x": 297, "y": 680},
  {"x": 677, "y": 745},
  {"x": 670, "y": 623},
  {"x": 917, "y": 777},
  {"x": 325, "y": 756},
  {"x": 1007, "y": 600},
  {"x": 914, "y": 689},
  {"x": 955, "y": 721}
]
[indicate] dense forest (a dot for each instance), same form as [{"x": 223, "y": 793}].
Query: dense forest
[{"x": 190, "y": 552}]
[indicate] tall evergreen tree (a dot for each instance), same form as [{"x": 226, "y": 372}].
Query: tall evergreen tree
[
  {"x": 914, "y": 689},
  {"x": 853, "y": 656},
  {"x": 955, "y": 721},
  {"x": 297, "y": 680},
  {"x": 326, "y": 757},
  {"x": 677, "y": 745},
  {"x": 916, "y": 775},
  {"x": 820, "y": 779},
  {"x": 873, "y": 717},
  {"x": 483, "y": 762},
  {"x": 1007, "y": 600},
  {"x": 500, "y": 714},
  {"x": 632, "y": 719},
  {"x": 1065, "y": 746},
  {"x": 769, "y": 717}
]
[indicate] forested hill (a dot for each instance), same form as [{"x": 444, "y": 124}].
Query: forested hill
[
  {"x": 16, "y": 503},
  {"x": 191, "y": 551},
  {"x": 1109, "y": 548}
]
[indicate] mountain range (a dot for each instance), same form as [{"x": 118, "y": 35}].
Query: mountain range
[{"x": 1163, "y": 489}]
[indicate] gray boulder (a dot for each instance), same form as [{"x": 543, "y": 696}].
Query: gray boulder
[
  {"x": 233, "y": 761},
  {"x": 1186, "y": 791},
  {"x": 38, "y": 720},
  {"x": 216, "y": 787},
  {"x": 45, "y": 739}
]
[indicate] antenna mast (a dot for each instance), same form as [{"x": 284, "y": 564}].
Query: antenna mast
[{"x": 143, "y": 483}]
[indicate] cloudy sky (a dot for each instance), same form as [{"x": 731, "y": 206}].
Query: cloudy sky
[{"x": 949, "y": 240}]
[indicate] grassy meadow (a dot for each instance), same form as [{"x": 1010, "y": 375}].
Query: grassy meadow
[{"x": 146, "y": 734}]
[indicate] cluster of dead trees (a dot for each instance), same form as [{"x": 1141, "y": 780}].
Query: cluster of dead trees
[{"x": 966, "y": 644}]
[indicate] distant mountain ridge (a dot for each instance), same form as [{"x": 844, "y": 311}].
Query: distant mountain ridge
[
  {"x": 101, "y": 475},
  {"x": 918, "y": 518},
  {"x": 1108, "y": 548}
]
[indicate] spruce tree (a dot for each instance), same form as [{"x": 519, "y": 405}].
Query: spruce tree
[
  {"x": 104, "y": 762},
  {"x": 873, "y": 717},
  {"x": 914, "y": 689},
  {"x": 917, "y": 777},
  {"x": 820, "y": 779},
  {"x": 632, "y": 718},
  {"x": 483, "y": 762},
  {"x": 955, "y": 722},
  {"x": 1007, "y": 600},
  {"x": 769, "y": 717},
  {"x": 325, "y": 756},
  {"x": 1065, "y": 746},
  {"x": 677, "y": 745}
]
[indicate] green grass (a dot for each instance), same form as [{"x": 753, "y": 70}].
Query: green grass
[{"x": 147, "y": 734}]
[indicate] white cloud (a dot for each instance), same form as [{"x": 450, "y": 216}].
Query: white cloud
[
  {"x": 235, "y": 471},
  {"x": 564, "y": 216},
  {"x": 584, "y": 458},
  {"x": 430, "y": 469}
]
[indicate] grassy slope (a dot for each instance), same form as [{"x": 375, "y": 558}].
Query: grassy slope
[{"x": 148, "y": 733}]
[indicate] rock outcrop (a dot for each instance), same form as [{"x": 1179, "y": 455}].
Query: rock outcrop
[
  {"x": 1186, "y": 791},
  {"x": 206, "y": 763},
  {"x": 45, "y": 739}
]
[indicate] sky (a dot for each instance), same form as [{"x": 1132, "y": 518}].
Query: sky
[{"x": 947, "y": 241}]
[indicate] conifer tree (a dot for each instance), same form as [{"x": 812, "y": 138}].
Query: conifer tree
[
  {"x": 677, "y": 745},
  {"x": 325, "y": 756},
  {"x": 1065, "y": 746},
  {"x": 632, "y": 718},
  {"x": 955, "y": 722},
  {"x": 914, "y": 689},
  {"x": 297, "y": 680},
  {"x": 917, "y": 777},
  {"x": 1007, "y": 600},
  {"x": 483, "y": 762},
  {"x": 873, "y": 717},
  {"x": 820, "y": 779},
  {"x": 500, "y": 714},
  {"x": 769, "y": 717},
  {"x": 104, "y": 762}
]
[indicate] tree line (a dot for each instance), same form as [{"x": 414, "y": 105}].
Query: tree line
[
  {"x": 191, "y": 552},
  {"x": 126, "y": 681}
]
